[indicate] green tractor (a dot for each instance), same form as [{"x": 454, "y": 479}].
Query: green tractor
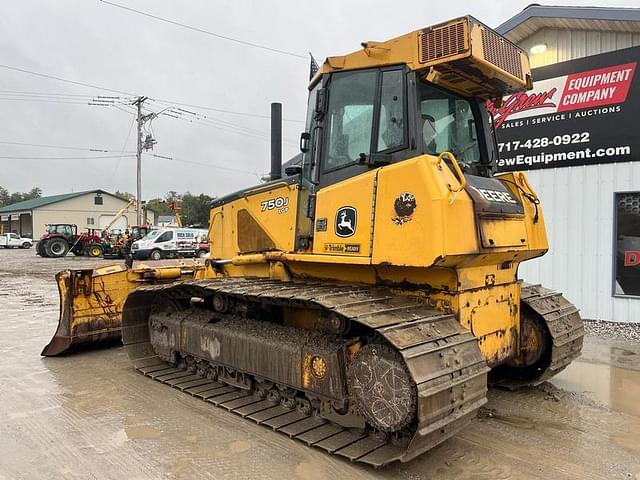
[{"x": 119, "y": 246}]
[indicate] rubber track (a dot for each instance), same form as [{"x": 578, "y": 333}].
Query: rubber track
[{"x": 442, "y": 357}]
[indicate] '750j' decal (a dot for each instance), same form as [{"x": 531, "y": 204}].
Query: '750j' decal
[{"x": 279, "y": 203}]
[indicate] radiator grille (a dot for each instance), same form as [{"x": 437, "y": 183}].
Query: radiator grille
[
  {"x": 501, "y": 53},
  {"x": 442, "y": 42}
]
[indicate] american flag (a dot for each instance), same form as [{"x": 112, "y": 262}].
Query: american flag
[{"x": 313, "y": 68}]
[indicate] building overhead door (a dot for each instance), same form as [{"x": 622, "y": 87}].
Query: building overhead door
[{"x": 122, "y": 223}]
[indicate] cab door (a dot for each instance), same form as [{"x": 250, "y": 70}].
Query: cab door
[{"x": 365, "y": 118}]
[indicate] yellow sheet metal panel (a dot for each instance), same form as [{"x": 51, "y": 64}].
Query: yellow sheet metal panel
[
  {"x": 502, "y": 232},
  {"x": 492, "y": 315},
  {"x": 462, "y": 55},
  {"x": 517, "y": 183},
  {"x": 418, "y": 219},
  {"x": 332, "y": 272},
  {"x": 264, "y": 217},
  {"x": 344, "y": 217}
]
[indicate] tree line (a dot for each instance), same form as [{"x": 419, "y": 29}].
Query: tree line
[
  {"x": 7, "y": 198},
  {"x": 195, "y": 208}
]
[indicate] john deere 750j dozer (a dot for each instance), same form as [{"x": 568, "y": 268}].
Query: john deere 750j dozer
[{"x": 360, "y": 303}]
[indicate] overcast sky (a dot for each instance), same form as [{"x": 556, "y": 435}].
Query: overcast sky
[{"x": 92, "y": 42}]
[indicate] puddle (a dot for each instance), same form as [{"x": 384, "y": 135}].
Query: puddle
[{"x": 618, "y": 388}]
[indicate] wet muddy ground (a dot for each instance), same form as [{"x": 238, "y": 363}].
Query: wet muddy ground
[{"x": 90, "y": 416}]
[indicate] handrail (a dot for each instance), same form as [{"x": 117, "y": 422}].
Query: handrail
[{"x": 458, "y": 171}]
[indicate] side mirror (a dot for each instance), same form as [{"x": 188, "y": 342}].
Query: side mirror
[
  {"x": 292, "y": 170},
  {"x": 304, "y": 141}
]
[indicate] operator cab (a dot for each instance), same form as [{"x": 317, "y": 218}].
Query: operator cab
[
  {"x": 64, "y": 229},
  {"x": 363, "y": 119}
]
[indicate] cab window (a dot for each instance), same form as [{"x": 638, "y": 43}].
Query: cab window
[
  {"x": 349, "y": 118},
  {"x": 447, "y": 124},
  {"x": 391, "y": 119}
]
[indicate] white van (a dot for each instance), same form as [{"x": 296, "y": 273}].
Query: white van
[{"x": 167, "y": 243}]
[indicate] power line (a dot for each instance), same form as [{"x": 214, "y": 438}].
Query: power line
[
  {"x": 206, "y": 32},
  {"x": 49, "y": 94},
  {"x": 60, "y": 79},
  {"x": 63, "y": 158},
  {"x": 89, "y": 85},
  {"x": 232, "y": 112},
  {"x": 209, "y": 165},
  {"x": 14, "y": 93},
  {"x": 42, "y": 100},
  {"x": 85, "y": 149},
  {"x": 225, "y": 126}
]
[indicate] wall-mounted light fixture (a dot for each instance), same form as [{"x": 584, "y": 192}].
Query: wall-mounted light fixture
[{"x": 540, "y": 48}]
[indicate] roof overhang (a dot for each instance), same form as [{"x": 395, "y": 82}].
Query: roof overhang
[{"x": 536, "y": 17}]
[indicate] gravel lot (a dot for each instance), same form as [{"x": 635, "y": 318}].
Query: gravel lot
[
  {"x": 90, "y": 415},
  {"x": 613, "y": 330}
]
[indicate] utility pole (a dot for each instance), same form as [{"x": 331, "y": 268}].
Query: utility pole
[{"x": 139, "y": 103}]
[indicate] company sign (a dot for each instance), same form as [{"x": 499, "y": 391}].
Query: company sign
[{"x": 580, "y": 112}]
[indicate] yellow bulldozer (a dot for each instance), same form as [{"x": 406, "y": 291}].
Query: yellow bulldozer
[{"x": 363, "y": 302}]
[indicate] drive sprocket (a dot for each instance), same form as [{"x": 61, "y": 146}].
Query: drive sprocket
[{"x": 382, "y": 388}]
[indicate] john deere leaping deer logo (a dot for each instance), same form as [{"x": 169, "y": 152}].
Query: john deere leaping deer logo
[{"x": 346, "y": 221}]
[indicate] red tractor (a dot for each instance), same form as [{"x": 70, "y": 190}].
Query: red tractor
[{"x": 62, "y": 237}]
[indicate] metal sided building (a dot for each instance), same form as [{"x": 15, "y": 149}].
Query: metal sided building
[
  {"x": 88, "y": 209},
  {"x": 577, "y": 136}
]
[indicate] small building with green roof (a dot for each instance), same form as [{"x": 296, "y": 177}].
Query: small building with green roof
[{"x": 86, "y": 209}]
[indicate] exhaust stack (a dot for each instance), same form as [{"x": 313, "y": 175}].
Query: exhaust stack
[{"x": 276, "y": 141}]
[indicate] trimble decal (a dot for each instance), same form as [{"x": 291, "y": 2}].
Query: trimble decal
[{"x": 342, "y": 247}]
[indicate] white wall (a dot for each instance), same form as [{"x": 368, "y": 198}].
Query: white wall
[
  {"x": 121, "y": 223},
  {"x": 578, "y": 205},
  {"x": 563, "y": 45}
]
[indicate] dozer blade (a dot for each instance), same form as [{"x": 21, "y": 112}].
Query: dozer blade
[{"x": 91, "y": 301}]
